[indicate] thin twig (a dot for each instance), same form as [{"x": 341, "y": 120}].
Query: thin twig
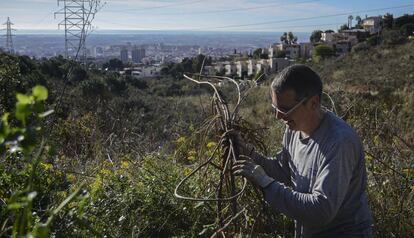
[
  {"x": 332, "y": 103},
  {"x": 205, "y": 199},
  {"x": 232, "y": 218}
]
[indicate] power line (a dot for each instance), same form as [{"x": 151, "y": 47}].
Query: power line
[
  {"x": 300, "y": 26},
  {"x": 230, "y": 10},
  {"x": 159, "y": 7},
  {"x": 273, "y": 22},
  {"x": 306, "y": 18},
  {"x": 279, "y": 26},
  {"x": 44, "y": 18}
]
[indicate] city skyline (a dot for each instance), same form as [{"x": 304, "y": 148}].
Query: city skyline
[{"x": 214, "y": 15}]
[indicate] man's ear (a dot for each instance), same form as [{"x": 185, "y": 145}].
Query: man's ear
[{"x": 315, "y": 102}]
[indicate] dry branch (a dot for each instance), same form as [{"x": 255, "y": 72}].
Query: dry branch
[{"x": 227, "y": 193}]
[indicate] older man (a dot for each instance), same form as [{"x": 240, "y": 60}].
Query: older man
[{"x": 319, "y": 177}]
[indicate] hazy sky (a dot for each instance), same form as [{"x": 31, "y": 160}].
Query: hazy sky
[{"x": 207, "y": 15}]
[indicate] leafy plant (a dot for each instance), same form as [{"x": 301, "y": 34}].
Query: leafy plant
[{"x": 18, "y": 139}]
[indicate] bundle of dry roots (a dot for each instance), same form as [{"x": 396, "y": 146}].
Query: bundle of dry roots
[{"x": 230, "y": 189}]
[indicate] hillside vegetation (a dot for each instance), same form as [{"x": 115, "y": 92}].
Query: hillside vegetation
[{"x": 106, "y": 162}]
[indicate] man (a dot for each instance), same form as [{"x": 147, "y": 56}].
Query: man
[{"x": 319, "y": 177}]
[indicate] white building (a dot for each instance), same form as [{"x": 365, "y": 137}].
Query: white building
[
  {"x": 209, "y": 70},
  {"x": 345, "y": 35},
  {"x": 291, "y": 50},
  {"x": 97, "y": 51},
  {"x": 251, "y": 67},
  {"x": 328, "y": 36},
  {"x": 272, "y": 64},
  {"x": 231, "y": 69},
  {"x": 274, "y": 50},
  {"x": 343, "y": 41},
  {"x": 260, "y": 68},
  {"x": 248, "y": 67},
  {"x": 372, "y": 24},
  {"x": 241, "y": 68},
  {"x": 263, "y": 66},
  {"x": 151, "y": 71}
]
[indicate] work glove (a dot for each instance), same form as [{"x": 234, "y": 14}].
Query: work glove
[
  {"x": 242, "y": 148},
  {"x": 253, "y": 172}
]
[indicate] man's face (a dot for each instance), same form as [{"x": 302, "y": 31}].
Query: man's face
[{"x": 292, "y": 112}]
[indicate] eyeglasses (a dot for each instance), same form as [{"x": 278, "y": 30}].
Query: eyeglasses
[{"x": 287, "y": 112}]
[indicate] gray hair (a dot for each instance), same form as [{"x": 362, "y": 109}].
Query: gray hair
[{"x": 301, "y": 79}]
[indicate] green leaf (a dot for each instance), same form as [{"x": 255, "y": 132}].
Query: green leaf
[
  {"x": 16, "y": 205},
  {"x": 5, "y": 117},
  {"x": 409, "y": 172},
  {"x": 41, "y": 231},
  {"x": 23, "y": 99},
  {"x": 64, "y": 203},
  {"x": 38, "y": 107},
  {"x": 4, "y": 126},
  {"x": 22, "y": 111},
  {"x": 40, "y": 93}
]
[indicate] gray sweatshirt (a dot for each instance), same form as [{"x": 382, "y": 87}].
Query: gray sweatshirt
[{"x": 321, "y": 181}]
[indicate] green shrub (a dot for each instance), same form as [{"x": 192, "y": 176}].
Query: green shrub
[
  {"x": 93, "y": 87},
  {"x": 363, "y": 46},
  {"x": 392, "y": 37},
  {"x": 322, "y": 52},
  {"x": 407, "y": 29},
  {"x": 373, "y": 40}
]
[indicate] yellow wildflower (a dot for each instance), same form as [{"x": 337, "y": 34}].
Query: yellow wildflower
[
  {"x": 106, "y": 172},
  {"x": 124, "y": 164},
  {"x": 192, "y": 155},
  {"x": 368, "y": 157},
  {"x": 191, "y": 158},
  {"x": 71, "y": 178},
  {"x": 186, "y": 171},
  {"x": 181, "y": 140},
  {"x": 211, "y": 145},
  {"x": 47, "y": 166}
]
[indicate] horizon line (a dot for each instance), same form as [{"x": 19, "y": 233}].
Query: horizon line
[{"x": 55, "y": 31}]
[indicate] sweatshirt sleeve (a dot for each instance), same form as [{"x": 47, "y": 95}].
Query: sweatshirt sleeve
[
  {"x": 331, "y": 185},
  {"x": 276, "y": 167}
]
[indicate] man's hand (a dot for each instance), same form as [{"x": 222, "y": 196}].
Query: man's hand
[
  {"x": 242, "y": 148},
  {"x": 253, "y": 172}
]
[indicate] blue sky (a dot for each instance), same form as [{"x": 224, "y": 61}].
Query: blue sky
[{"x": 207, "y": 15}]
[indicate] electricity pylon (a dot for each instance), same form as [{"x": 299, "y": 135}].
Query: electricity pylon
[
  {"x": 78, "y": 17},
  {"x": 9, "y": 36}
]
